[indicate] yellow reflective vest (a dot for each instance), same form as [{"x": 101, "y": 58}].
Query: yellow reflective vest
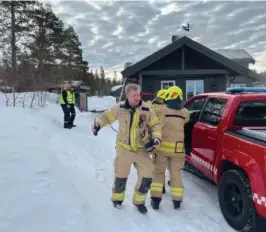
[{"x": 70, "y": 97}]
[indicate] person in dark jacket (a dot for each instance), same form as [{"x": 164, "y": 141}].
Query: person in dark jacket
[
  {"x": 72, "y": 107},
  {"x": 65, "y": 101}
]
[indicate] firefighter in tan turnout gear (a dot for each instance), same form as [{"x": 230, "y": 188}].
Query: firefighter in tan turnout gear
[
  {"x": 171, "y": 150},
  {"x": 157, "y": 105},
  {"x": 158, "y": 102},
  {"x": 137, "y": 122}
]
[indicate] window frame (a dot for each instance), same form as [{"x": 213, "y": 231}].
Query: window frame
[
  {"x": 194, "y": 87},
  {"x": 234, "y": 119},
  {"x": 194, "y": 100},
  {"x": 167, "y": 81},
  {"x": 203, "y": 110}
]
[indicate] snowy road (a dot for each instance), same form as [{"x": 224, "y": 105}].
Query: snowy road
[{"x": 60, "y": 180}]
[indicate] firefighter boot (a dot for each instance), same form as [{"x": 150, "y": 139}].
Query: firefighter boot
[
  {"x": 142, "y": 208},
  {"x": 67, "y": 125},
  {"x": 155, "y": 202},
  {"x": 117, "y": 204},
  {"x": 177, "y": 204},
  {"x": 163, "y": 188}
]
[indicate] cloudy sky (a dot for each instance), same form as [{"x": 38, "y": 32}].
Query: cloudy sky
[{"x": 113, "y": 33}]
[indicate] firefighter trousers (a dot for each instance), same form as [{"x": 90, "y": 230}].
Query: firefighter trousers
[
  {"x": 122, "y": 165},
  {"x": 175, "y": 163}
]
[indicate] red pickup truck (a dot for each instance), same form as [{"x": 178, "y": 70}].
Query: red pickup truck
[{"x": 226, "y": 141}]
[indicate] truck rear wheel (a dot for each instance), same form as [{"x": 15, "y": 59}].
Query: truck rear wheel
[{"x": 236, "y": 201}]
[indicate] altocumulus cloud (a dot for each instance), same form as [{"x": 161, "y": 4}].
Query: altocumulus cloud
[{"x": 115, "y": 32}]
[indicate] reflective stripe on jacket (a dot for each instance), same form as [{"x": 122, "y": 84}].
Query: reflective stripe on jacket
[
  {"x": 173, "y": 122},
  {"x": 136, "y": 127}
]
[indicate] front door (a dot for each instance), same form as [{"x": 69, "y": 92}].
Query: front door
[{"x": 205, "y": 136}]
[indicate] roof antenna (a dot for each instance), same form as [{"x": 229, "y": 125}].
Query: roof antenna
[{"x": 185, "y": 27}]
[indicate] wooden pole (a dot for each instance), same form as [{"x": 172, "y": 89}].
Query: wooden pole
[{"x": 122, "y": 90}]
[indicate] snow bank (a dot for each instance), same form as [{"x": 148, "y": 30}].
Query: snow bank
[
  {"x": 42, "y": 99},
  {"x": 100, "y": 103},
  {"x": 27, "y": 99}
]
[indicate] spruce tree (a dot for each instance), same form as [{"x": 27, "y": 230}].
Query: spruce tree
[{"x": 14, "y": 24}]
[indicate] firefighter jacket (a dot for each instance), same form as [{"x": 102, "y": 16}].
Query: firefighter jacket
[
  {"x": 67, "y": 97},
  {"x": 136, "y": 126},
  {"x": 157, "y": 108},
  {"x": 173, "y": 122}
]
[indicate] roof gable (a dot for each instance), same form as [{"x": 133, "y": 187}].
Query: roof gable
[{"x": 195, "y": 46}]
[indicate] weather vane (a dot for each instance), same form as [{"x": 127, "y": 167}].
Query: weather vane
[{"x": 186, "y": 27}]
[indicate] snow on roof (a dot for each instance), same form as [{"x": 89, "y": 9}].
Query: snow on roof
[
  {"x": 235, "y": 54},
  {"x": 100, "y": 103},
  {"x": 76, "y": 83},
  {"x": 116, "y": 87}
]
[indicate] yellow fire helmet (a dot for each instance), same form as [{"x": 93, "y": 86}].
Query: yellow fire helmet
[
  {"x": 162, "y": 93},
  {"x": 174, "y": 92}
]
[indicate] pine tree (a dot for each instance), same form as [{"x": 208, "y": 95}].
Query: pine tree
[
  {"x": 47, "y": 35},
  {"x": 73, "y": 54},
  {"x": 108, "y": 85},
  {"x": 13, "y": 27},
  {"x": 36, "y": 46},
  {"x": 97, "y": 83},
  {"x": 103, "y": 90}
]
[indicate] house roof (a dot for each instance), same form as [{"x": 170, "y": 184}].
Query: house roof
[
  {"x": 236, "y": 54},
  {"x": 77, "y": 83},
  {"x": 116, "y": 87},
  {"x": 234, "y": 66}
]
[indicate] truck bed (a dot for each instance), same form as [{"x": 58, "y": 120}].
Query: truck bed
[{"x": 256, "y": 135}]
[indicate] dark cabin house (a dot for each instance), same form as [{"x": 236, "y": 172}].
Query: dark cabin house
[{"x": 193, "y": 67}]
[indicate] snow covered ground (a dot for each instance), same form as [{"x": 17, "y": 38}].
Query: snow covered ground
[{"x": 58, "y": 180}]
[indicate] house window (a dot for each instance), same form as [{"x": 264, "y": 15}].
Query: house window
[
  {"x": 167, "y": 84},
  {"x": 194, "y": 87},
  {"x": 238, "y": 85}
]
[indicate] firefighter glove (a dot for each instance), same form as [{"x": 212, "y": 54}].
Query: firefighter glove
[
  {"x": 95, "y": 129},
  {"x": 152, "y": 144}
]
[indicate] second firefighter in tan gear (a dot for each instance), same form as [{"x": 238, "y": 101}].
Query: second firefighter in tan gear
[
  {"x": 171, "y": 150},
  {"x": 137, "y": 122},
  {"x": 157, "y": 105},
  {"x": 158, "y": 102}
]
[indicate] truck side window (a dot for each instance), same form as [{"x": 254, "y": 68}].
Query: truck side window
[
  {"x": 213, "y": 111},
  {"x": 251, "y": 113},
  {"x": 196, "y": 105}
]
